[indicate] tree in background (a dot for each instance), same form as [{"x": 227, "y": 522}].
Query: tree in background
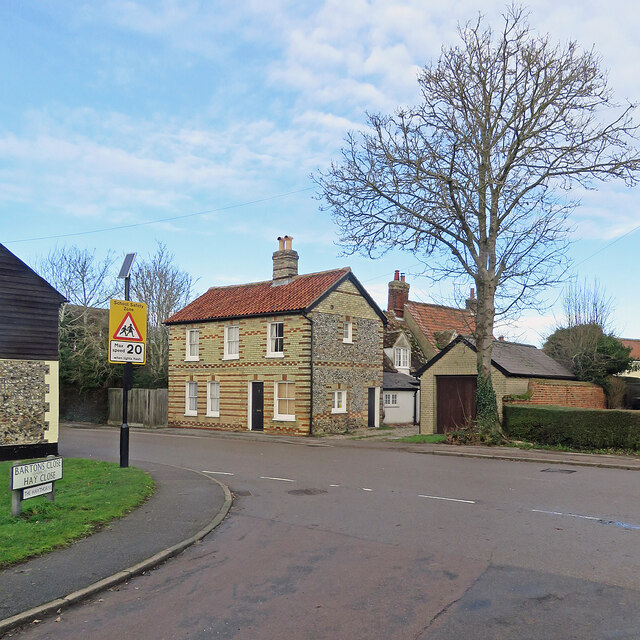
[
  {"x": 475, "y": 180},
  {"x": 165, "y": 289},
  {"x": 585, "y": 343},
  {"x": 88, "y": 285}
]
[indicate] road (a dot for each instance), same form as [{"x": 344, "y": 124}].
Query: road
[{"x": 329, "y": 539}]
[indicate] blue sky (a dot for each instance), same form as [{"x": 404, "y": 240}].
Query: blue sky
[{"x": 123, "y": 113}]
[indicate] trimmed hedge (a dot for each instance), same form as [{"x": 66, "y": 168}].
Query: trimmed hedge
[{"x": 576, "y": 428}]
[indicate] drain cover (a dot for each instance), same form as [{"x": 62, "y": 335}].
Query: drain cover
[{"x": 558, "y": 470}]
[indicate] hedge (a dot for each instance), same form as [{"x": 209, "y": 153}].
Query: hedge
[{"x": 576, "y": 428}]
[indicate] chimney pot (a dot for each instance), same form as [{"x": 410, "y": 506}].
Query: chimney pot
[
  {"x": 473, "y": 293},
  {"x": 285, "y": 262},
  {"x": 501, "y": 338},
  {"x": 398, "y": 294}
]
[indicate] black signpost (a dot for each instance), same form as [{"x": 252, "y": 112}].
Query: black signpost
[{"x": 127, "y": 378}]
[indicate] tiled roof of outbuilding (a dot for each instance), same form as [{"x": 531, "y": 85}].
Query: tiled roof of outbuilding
[
  {"x": 433, "y": 318},
  {"x": 262, "y": 298},
  {"x": 514, "y": 359},
  {"x": 634, "y": 343}
]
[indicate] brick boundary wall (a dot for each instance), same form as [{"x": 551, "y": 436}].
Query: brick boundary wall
[{"x": 565, "y": 393}]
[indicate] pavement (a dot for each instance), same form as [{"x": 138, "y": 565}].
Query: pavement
[{"x": 186, "y": 506}]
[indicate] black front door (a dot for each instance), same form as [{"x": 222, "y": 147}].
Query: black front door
[
  {"x": 257, "y": 406},
  {"x": 371, "y": 417}
]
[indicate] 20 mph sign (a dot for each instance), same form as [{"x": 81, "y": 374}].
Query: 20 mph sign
[{"x": 127, "y": 332}]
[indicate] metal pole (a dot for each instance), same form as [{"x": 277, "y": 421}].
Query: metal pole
[{"x": 126, "y": 383}]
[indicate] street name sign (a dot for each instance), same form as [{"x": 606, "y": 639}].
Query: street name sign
[
  {"x": 31, "y": 479},
  {"x": 35, "y": 473},
  {"x": 127, "y": 332}
]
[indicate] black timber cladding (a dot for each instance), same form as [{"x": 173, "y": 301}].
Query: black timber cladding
[{"x": 29, "y": 308}]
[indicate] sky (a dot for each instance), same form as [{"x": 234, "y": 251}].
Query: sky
[{"x": 198, "y": 124}]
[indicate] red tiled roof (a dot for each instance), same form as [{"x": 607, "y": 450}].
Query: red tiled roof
[
  {"x": 634, "y": 343},
  {"x": 258, "y": 298},
  {"x": 432, "y": 318}
]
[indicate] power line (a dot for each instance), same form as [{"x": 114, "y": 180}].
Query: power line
[{"x": 142, "y": 224}]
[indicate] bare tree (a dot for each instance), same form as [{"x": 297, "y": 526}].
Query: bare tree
[
  {"x": 165, "y": 289},
  {"x": 585, "y": 342},
  {"x": 88, "y": 283},
  {"x": 76, "y": 273},
  {"x": 476, "y": 180}
]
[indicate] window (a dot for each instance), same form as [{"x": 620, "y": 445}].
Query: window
[
  {"x": 193, "y": 346},
  {"x": 275, "y": 340},
  {"x": 231, "y": 343},
  {"x": 213, "y": 399},
  {"x": 339, "y": 404},
  {"x": 284, "y": 401},
  {"x": 390, "y": 399},
  {"x": 191, "y": 399},
  {"x": 402, "y": 357},
  {"x": 347, "y": 332}
]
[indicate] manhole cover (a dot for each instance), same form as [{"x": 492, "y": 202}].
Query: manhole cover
[
  {"x": 558, "y": 470},
  {"x": 306, "y": 492}
]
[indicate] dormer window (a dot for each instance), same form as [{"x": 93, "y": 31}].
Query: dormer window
[{"x": 402, "y": 357}]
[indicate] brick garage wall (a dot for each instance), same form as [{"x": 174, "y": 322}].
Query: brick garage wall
[
  {"x": 24, "y": 390},
  {"x": 565, "y": 393}
]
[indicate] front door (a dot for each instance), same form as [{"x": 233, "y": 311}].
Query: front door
[
  {"x": 371, "y": 415},
  {"x": 456, "y": 402},
  {"x": 257, "y": 406}
]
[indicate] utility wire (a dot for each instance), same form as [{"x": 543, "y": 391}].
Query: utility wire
[{"x": 142, "y": 224}]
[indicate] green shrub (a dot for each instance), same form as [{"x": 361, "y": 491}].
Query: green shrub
[{"x": 576, "y": 428}]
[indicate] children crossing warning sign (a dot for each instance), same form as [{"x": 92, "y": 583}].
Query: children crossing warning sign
[{"x": 127, "y": 332}]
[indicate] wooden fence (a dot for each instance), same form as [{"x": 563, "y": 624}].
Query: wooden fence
[{"x": 145, "y": 407}]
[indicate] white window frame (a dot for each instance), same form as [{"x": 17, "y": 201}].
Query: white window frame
[
  {"x": 272, "y": 340},
  {"x": 211, "y": 412},
  {"x": 390, "y": 399},
  {"x": 401, "y": 354},
  {"x": 286, "y": 417},
  {"x": 190, "y": 356},
  {"x": 339, "y": 401},
  {"x": 227, "y": 340},
  {"x": 347, "y": 332},
  {"x": 188, "y": 411}
]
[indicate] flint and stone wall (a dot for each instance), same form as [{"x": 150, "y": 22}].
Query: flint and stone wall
[
  {"x": 29, "y": 408},
  {"x": 354, "y": 367}
]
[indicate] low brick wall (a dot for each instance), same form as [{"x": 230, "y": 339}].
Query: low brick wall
[{"x": 565, "y": 393}]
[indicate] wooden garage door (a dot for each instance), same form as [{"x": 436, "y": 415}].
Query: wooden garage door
[{"x": 456, "y": 402}]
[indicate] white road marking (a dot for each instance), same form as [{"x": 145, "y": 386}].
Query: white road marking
[
  {"x": 562, "y": 513},
  {"x": 219, "y": 473},
  {"x": 334, "y": 485},
  {"x": 365, "y": 489},
  {"x": 448, "y": 499},
  {"x": 281, "y": 479}
]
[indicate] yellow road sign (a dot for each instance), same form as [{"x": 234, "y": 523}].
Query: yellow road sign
[{"x": 127, "y": 332}]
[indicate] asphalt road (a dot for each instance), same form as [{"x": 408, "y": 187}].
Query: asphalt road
[{"x": 328, "y": 539}]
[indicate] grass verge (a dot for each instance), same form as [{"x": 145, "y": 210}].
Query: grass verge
[
  {"x": 90, "y": 494},
  {"x": 424, "y": 437}
]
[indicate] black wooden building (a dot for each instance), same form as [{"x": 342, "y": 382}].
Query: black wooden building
[{"x": 29, "y": 311}]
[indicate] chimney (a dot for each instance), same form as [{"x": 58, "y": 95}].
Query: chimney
[
  {"x": 285, "y": 262},
  {"x": 472, "y": 303},
  {"x": 398, "y": 294}
]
